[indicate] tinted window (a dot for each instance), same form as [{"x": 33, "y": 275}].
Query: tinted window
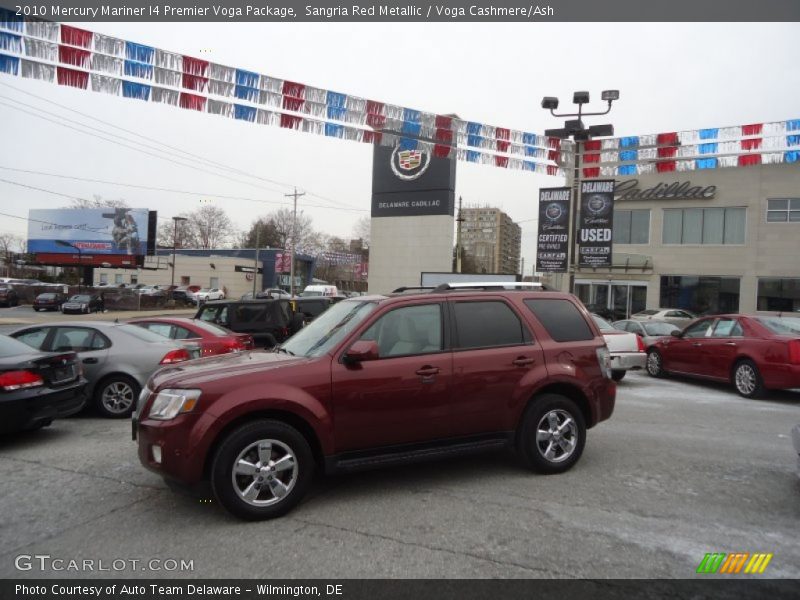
[
  {"x": 252, "y": 313},
  {"x": 562, "y": 319},
  {"x": 660, "y": 328},
  {"x": 699, "y": 329},
  {"x": 727, "y": 328},
  {"x": 33, "y": 337},
  {"x": 79, "y": 339},
  {"x": 781, "y": 325},
  {"x": 162, "y": 329},
  {"x": 486, "y": 324},
  {"x": 181, "y": 333},
  {"x": 408, "y": 330},
  {"x": 11, "y": 347}
]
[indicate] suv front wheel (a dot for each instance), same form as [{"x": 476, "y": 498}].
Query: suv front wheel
[
  {"x": 552, "y": 434},
  {"x": 262, "y": 470}
]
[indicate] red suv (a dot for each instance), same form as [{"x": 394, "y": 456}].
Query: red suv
[{"x": 379, "y": 380}]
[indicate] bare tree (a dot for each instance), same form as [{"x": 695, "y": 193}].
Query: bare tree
[
  {"x": 10, "y": 244},
  {"x": 168, "y": 234},
  {"x": 98, "y": 201},
  {"x": 211, "y": 227},
  {"x": 361, "y": 230},
  {"x": 284, "y": 219},
  {"x": 262, "y": 233}
]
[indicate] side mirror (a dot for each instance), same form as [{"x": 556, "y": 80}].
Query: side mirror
[
  {"x": 362, "y": 350},
  {"x": 676, "y": 333}
]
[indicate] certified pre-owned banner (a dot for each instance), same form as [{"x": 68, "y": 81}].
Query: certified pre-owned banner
[
  {"x": 596, "y": 223},
  {"x": 553, "y": 240}
]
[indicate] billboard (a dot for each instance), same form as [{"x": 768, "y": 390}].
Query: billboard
[
  {"x": 596, "y": 223},
  {"x": 552, "y": 242},
  {"x": 90, "y": 230}
]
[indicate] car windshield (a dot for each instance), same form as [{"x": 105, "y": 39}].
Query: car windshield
[
  {"x": 647, "y": 312},
  {"x": 46, "y": 296},
  {"x": 210, "y": 327},
  {"x": 660, "y": 328},
  {"x": 603, "y": 324},
  {"x": 139, "y": 332},
  {"x": 205, "y": 289},
  {"x": 10, "y": 347},
  {"x": 328, "y": 329},
  {"x": 80, "y": 299},
  {"x": 309, "y": 294},
  {"x": 782, "y": 325}
]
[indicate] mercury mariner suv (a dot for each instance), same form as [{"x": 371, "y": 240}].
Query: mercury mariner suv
[{"x": 382, "y": 380}]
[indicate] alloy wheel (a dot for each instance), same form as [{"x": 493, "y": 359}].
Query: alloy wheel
[
  {"x": 745, "y": 378},
  {"x": 264, "y": 472},
  {"x": 556, "y": 435},
  {"x": 653, "y": 363},
  {"x": 118, "y": 397}
]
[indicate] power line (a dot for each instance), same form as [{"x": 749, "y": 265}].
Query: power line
[
  {"x": 170, "y": 190},
  {"x": 190, "y": 154}
]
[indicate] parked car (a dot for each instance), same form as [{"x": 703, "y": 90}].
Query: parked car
[
  {"x": 627, "y": 349},
  {"x": 212, "y": 339},
  {"x": 676, "y": 316},
  {"x": 37, "y": 387},
  {"x": 205, "y": 295},
  {"x": 49, "y": 301},
  {"x": 117, "y": 358},
  {"x": 269, "y": 322},
  {"x": 752, "y": 352},
  {"x": 380, "y": 381},
  {"x": 311, "y": 308},
  {"x": 319, "y": 290},
  {"x": 649, "y": 331},
  {"x": 8, "y": 295},
  {"x": 182, "y": 292},
  {"x": 83, "y": 303},
  {"x": 269, "y": 293}
]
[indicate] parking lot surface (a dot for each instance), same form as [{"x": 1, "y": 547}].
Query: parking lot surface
[{"x": 681, "y": 469}]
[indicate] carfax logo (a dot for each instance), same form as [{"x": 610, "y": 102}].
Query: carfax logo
[
  {"x": 409, "y": 164},
  {"x": 733, "y": 563}
]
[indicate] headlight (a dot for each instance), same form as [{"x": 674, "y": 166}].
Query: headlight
[
  {"x": 83, "y": 305},
  {"x": 169, "y": 403}
]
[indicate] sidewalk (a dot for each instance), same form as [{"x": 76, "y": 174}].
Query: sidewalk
[{"x": 122, "y": 315}]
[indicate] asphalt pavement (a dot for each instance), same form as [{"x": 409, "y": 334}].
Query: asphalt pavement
[{"x": 680, "y": 470}]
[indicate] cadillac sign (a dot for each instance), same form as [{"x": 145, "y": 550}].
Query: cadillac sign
[
  {"x": 409, "y": 164},
  {"x": 629, "y": 190}
]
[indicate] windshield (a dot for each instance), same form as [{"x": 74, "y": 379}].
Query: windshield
[
  {"x": 648, "y": 312},
  {"x": 782, "y": 325},
  {"x": 660, "y": 328},
  {"x": 80, "y": 299},
  {"x": 603, "y": 324},
  {"x": 309, "y": 294},
  {"x": 328, "y": 329},
  {"x": 10, "y": 347}
]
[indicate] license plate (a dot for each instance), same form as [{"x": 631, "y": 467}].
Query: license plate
[{"x": 64, "y": 374}]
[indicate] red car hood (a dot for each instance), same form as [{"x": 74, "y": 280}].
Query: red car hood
[{"x": 218, "y": 368}]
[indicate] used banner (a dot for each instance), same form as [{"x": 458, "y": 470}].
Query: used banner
[
  {"x": 552, "y": 243},
  {"x": 596, "y": 223}
]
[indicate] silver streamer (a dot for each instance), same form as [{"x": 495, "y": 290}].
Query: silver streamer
[
  {"x": 36, "y": 70},
  {"x": 772, "y": 158},
  {"x": 220, "y": 88},
  {"x": 168, "y": 60},
  {"x": 166, "y": 77},
  {"x": 270, "y": 84},
  {"x": 217, "y": 107},
  {"x": 728, "y": 161},
  {"x": 42, "y": 29},
  {"x": 165, "y": 96},
  {"x": 108, "y": 45},
  {"x": 40, "y": 49},
  {"x": 106, "y": 84},
  {"x": 107, "y": 64},
  {"x": 316, "y": 95},
  {"x": 222, "y": 73},
  {"x": 267, "y": 117},
  {"x": 270, "y": 99}
]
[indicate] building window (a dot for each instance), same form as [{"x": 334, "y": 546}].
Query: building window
[
  {"x": 104, "y": 278},
  {"x": 213, "y": 282},
  {"x": 701, "y": 295},
  {"x": 704, "y": 225},
  {"x": 184, "y": 280},
  {"x": 134, "y": 279},
  {"x": 118, "y": 278},
  {"x": 782, "y": 210},
  {"x": 778, "y": 294},
  {"x": 632, "y": 226}
]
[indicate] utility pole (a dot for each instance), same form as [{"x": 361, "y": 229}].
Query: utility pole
[
  {"x": 255, "y": 263},
  {"x": 295, "y": 195},
  {"x": 459, "y": 220}
]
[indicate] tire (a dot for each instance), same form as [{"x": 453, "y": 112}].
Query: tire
[
  {"x": 35, "y": 309},
  {"x": 539, "y": 449},
  {"x": 115, "y": 397},
  {"x": 655, "y": 364},
  {"x": 747, "y": 380},
  {"x": 238, "y": 492},
  {"x": 617, "y": 375}
]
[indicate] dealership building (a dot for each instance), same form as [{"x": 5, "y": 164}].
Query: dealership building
[{"x": 708, "y": 240}]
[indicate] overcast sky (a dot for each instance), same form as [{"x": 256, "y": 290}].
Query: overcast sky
[{"x": 670, "y": 76}]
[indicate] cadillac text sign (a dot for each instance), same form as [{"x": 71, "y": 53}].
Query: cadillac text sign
[
  {"x": 595, "y": 230},
  {"x": 629, "y": 190},
  {"x": 552, "y": 242}
]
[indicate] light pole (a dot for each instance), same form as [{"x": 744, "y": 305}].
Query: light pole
[
  {"x": 575, "y": 129},
  {"x": 174, "y": 246},
  {"x": 80, "y": 261}
]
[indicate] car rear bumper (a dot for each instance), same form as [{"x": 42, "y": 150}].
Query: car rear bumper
[
  {"x": 780, "y": 376},
  {"x": 624, "y": 361},
  {"x": 31, "y": 407}
]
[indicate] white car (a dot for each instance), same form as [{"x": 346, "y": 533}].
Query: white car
[
  {"x": 676, "y": 316},
  {"x": 627, "y": 349},
  {"x": 206, "y": 294}
]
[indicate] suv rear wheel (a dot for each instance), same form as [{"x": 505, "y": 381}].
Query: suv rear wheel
[
  {"x": 552, "y": 434},
  {"x": 262, "y": 470}
]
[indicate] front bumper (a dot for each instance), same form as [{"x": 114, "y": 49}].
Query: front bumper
[
  {"x": 796, "y": 444},
  {"x": 625, "y": 361},
  {"x": 179, "y": 458},
  {"x": 26, "y": 410}
]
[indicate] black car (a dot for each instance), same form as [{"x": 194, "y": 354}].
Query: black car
[
  {"x": 37, "y": 387},
  {"x": 312, "y": 307},
  {"x": 8, "y": 295},
  {"x": 270, "y": 322},
  {"x": 49, "y": 301},
  {"x": 83, "y": 303}
]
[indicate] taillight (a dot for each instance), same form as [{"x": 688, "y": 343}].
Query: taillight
[
  {"x": 249, "y": 343},
  {"x": 794, "y": 352},
  {"x": 640, "y": 344},
  {"x": 604, "y": 358},
  {"x": 17, "y": 380},
  {"x": 175, "y": 356},
  {"x": 232, "y": 346},
  {"x": 285, "y": 331}
]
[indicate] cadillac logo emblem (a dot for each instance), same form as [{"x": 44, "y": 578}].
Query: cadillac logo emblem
[
  {"x": 409, "y": 164},
  {"x": 597, "y": 204},
  {"x": 553, "y": 211}
]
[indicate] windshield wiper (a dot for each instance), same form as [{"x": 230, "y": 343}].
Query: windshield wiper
[{"x": 282, "y": 349}]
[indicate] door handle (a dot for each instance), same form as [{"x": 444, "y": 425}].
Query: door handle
[
  {"x": 90, "y": 361},
  {"x": 697, "y": 344},
  {"x": 523, "y": 361},
  {"x": 427, "y": 371},
  {"x": 730, "y": 343}
]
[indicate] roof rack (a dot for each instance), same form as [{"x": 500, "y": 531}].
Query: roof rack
[
  {"x": 404, "y": 289},
  {"x": 480, "y": 285}
]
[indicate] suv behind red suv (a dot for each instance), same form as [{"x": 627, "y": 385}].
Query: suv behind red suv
[{"x": 381, "y": 380}]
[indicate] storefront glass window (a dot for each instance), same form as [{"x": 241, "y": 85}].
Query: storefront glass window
[
  {"x": 701, "y": 295},
  {"x": 781, "y": 210},
  {"x": 779, "y": 294},
  {"x": 632, "y": 226}
]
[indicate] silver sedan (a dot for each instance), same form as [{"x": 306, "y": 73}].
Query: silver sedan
[{"x": 117, "y": 358}]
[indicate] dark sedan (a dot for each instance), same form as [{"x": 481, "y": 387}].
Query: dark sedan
[
  {"x": 49, "y": 301},
  {"x": 82, "y": 303},
  {"x": 37, "y": 387},
  {"x": 755, "y": 353},
  {"x": 8, "y": 295}
]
